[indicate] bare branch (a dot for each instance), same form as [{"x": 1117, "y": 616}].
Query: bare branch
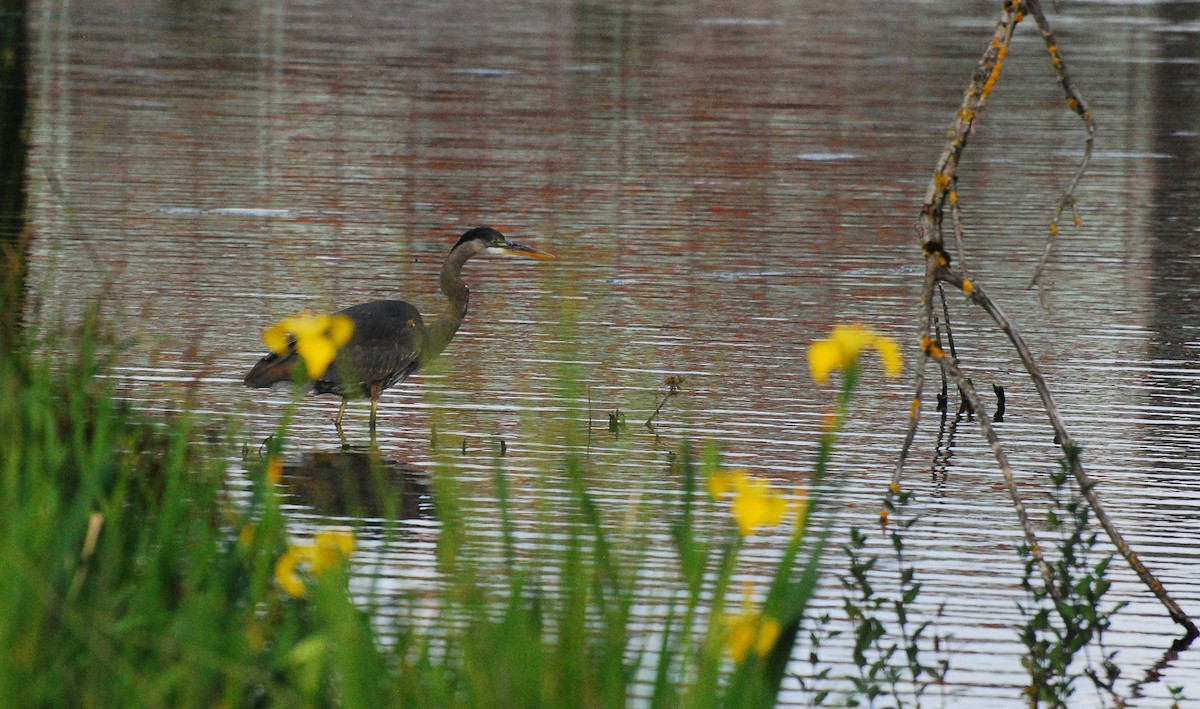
[
  {"x": 1071, "y": 454},
  {"x": 1077, "y": 104},
  {"x": 942, "y": 188}
]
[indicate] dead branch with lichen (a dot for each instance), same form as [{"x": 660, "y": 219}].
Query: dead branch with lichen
[{"x": 942, "y": 195}]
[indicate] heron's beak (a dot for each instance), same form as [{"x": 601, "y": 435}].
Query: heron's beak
[{"x": 511, "y": 249}]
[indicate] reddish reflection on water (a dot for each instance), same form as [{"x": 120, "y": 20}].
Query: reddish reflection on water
[{"x": 720, "y": 182}]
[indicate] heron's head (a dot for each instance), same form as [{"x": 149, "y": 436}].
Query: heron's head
[{"x": 485, "y": 239}]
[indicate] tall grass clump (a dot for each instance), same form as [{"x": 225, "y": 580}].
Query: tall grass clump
[
  {"x": 110, "y": 540},
  {"x": 136, "y": 578},
  {"x": 132, "y": 578}
]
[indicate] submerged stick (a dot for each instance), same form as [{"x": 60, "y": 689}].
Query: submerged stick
[
  {"x": 949, "y": 365},
  {"x": 1087, "y": 486}
]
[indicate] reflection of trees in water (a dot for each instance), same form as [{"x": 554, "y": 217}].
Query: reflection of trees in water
[
  {"x": 1174, "y": 315},
  {"x": 14, "y": 58},
  {"x": 351, "y": 483},
  {"x": 1175, "y": 217}
]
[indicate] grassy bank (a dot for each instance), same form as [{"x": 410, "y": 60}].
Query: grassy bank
[{"x": 136, "y": 579}]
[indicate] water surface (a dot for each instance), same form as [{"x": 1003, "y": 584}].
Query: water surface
[{"x": 721, "y": 183}]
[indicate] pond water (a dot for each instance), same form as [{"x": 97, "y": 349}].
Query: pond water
[{"x": 721, "y": 183}]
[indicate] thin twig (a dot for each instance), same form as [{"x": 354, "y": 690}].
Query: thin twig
[
  {"x": 674, "y": 386},
  {"x": 1077, "y": 104},
  {"x": 914, "y": 412}
]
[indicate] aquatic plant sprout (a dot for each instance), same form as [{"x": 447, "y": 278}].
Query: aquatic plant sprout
[
  {"x": 842, "y": 348},
  {"x": 317, "y": 338},
  {"x": 330, "y": 549}
]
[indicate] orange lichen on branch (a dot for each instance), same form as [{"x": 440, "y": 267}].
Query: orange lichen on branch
[
  {"x": 935, "y": 250},
  {"x": 992, "y": 79},
  {"x": 967, "y": 286},
  {"x": 931, "y": 348},
  {"x": 941, "y": 180}
]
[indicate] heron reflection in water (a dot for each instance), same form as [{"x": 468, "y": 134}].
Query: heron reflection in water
[
  {"x": 357, "y": 483},
  {"x": 390, "y": 341}
]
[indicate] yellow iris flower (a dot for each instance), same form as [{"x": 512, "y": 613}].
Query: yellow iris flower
[
  {"x": 329, "y": 550},
  {"x": 750, "y": 632},
  {"x": 755, "y": 503},
  {"x": 317, "y": 338},
  {"x": 842, "y": 348},
  {"x": 723, "y": 482}
]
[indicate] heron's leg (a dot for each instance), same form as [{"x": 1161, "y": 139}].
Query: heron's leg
[
  {"x": 337, "y": 422},
  {"x": 376, "y": 390}
]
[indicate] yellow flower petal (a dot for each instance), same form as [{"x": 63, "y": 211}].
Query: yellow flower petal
[
  {"x": 317, "y": 338},
  {"x": 341, "y": 327},
  {"x": 842, "y": 348},
  {"x": 756, "y": 505},
  {"x": 889, "y": 353},
  {"x": 285, "y": 570},
  {"x": 824, "y": 356},
  {"x": 768, "y": 633},
  {"x": 331, "y": 549},
  {"x": 317, "y": 352},
  {"x": 740, "y": 636},
  {"x": 722, "y": 482},
  {"x": 748, "y": 632},
  {"x": 306, "y": 325},
  {"x": 852, "y": 339},
  {"x": 277, "y": 339}
]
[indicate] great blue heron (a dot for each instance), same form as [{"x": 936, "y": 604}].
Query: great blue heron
[{"x": 390, "y": 340}]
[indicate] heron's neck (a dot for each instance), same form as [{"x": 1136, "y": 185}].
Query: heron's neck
[{"x": 439, "y": 334}]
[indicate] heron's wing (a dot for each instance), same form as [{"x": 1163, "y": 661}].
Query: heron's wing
[{"x": 383, "y": 350}]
